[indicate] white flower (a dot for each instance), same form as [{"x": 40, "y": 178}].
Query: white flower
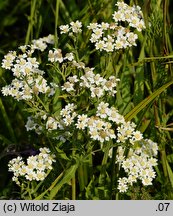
[
  {"x": 6, "y": 64},
  {"x": 147, "y": 181},
  {"x": 68, "y": 86},
  {"x": 134, "y": 170},
  {"x": 68, "y": 120},
  {"x": 82, "y": 121},
  {"x": 55, "y": 56},
  {"x": 73, "y": 79},
  {"x": 31, "y": 175},
  {"x": 64, "y": 29},
  {"x": 30, "y": 124},
  {"x": 40, "y": 175},
  {"x": 94, "y": 133},
  {"x": 104, "y": 26},
  {"x": 50, "y": 39},
  {"x": 96, "y": 92},
  {"x": 131, "y": 38},
  {"x": 76, "y": 26},
  {"x": 132, "y": 179},
  {"x": 67, "y": 110},
  {"x": 122, "y": 181},
  {"x": 137, "y": 135},
  {"x": 51, "y": 124},
  {"x": 5, "y": 90},
  {"x": 92, "y": 26},
  {"x": 117, "y": 16},
  {"x": 41, "y": 85},
  {"x": 69, "y": 56},
  {"x": 122, "y": 184},
  {"x": 122, "y": 188},
  {"x": 100, "y": 45},
  {"x": 102, "y": 110},
  {"x": 98, "y": 32},
  {"x": 127, "y": 165},
  {"x": 152, "y": 161},
  {"x": 94, "y": 38},
  {"x": 39, "y": 44},
  {"x": 109, "y": 47}
]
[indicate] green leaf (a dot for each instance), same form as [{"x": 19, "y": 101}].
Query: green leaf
[
  {"x": 146, "y": 101},
  {"x": 61, "y": 154},
  {"x": 68, "y": 175},
  {"x": 170, "y": 158},
  {"x": 50, "y": 188},
  {"x": 91, "y": 190},
  {"x": 57, "y": 104},
  {"x": 170, "y": 173}
]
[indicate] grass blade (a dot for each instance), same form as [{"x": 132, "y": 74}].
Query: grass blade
[
  {"x": 68, "y": 175},
  {"x": 146, "y": 101}
]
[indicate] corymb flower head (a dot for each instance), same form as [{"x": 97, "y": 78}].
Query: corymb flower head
[
  {"x": 115, "y": 36},
  {"x": 36, "y": 168}
]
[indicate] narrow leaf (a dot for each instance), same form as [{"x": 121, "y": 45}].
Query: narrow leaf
[
  {"x": 146, "y": 101},
  {"x": 170, "y": 173},
  {"x": 68, "y": 175}
]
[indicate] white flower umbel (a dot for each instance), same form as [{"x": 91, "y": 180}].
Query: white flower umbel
[
  {"x": 29, "y": 80},
  {"x": 36, "y": 168},
  {"x": 73, "y": 27},
  {"x": 138, "y": 164},
  {"x": 111, "y": 37}
]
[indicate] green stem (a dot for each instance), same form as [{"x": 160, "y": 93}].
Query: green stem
[
  {"x": 165, "y": 9},
  {"x": 104, "y": 164},
  {"x": 73, "y": 180},
  {"x": 163, "y": 158},
  {"x": 113, "y": 174},
  {"x": 41, "y": 102},
  {"x": 81, "y": 177},
  {"x": 56, "y": 22},
  {"x": 29, "y": 34}
]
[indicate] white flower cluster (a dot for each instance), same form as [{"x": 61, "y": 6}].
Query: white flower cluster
[
  {"x": 98, "y": 125},
  {"x": 104, "y": 124},
  {"x": 74, "y": 27},
  {"x": 114, "y": 36},
  {"x": 126, "y": 131},
  {"x": 99, "y": 129},
  {"x": 37, "y": 166},
  {"x": 55, "y": 55},
  {"x": 138, "y": 164},
  {"x": 97, "y": 85},
  {"x": 67, "y": 115},
  {"x": 29, "y": 78},
  {"x": 132, "y": 15}
]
